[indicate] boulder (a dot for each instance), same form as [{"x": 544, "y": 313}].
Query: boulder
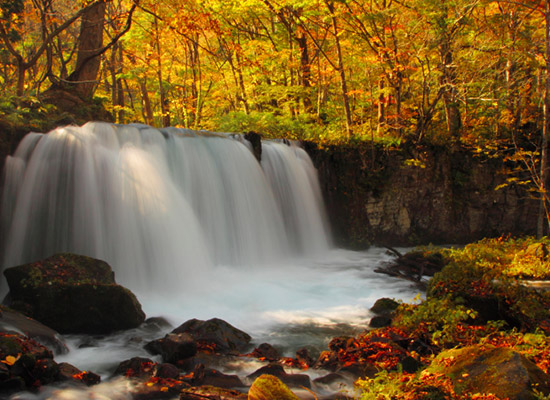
[
  {"x": 167, "y": 371},
  {"x": 500, "y": 371},
  {"x": 330, "y": 379},
  {"x": 203, "y": 376},
  {"x": 215, "y": 335},
  {"x": 68, "y": 372},
  {"x": 269, "y": 387},
  {"x": 73, "y": 294},
  {"x": 304, "y": 358},
  {"x": 295, "y": 380},
  {"x": 211, "y": 393},
  {"x": 151, "y": 380},
  {"x": 266, "y": 352},
  {"x": 13, "y": 321},
  {"x": 173, "y": 348},
  {"x": 384, "y": 306},
  {"x": 27, "y": 365},
  {"x": 380, "y": 321},
  {"x": 157, "y": 388},
  {"x": 137, "y": 367}
]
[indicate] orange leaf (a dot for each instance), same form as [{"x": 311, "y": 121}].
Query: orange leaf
[{"x": 10, "y": 360}]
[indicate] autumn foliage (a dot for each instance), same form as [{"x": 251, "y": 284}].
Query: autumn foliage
[
  {"x": 456, "y": 315},
  {"x": 470, "y": 70}
]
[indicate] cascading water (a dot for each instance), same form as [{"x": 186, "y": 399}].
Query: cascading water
[
  {"x": 294, "y": 182},
  {"x": 158, "y": 204},
  {"x": 196, "y": 227}
]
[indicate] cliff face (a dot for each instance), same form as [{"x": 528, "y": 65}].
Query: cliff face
[{"x": 437, "y": 195}]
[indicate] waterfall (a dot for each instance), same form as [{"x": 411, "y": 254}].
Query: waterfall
[{"x": 159, "y": 205}]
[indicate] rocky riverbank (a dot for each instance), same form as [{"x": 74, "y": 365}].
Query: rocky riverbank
[{"x": 451, "y": 346}]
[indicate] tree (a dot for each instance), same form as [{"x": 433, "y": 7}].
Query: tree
[{"x": 10, "y": 34}]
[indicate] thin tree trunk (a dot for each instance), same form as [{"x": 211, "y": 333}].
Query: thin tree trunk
[
  {"x": 162, "y": 93},
  {"x": 305, "y": 67},
  {"x": 146, "y": 103},
  {"x": 120, "y": 89},
  {"x": 340, "y": 68},
  {"x": 112, "y": 70},
  {"x": 398, "y": 102},
  {"x": 21, "y": 70},
  {"x": 543, "y": 212},
  {"x": 244, "y": 96},
  {"x": 381, "y": 119},
  {"x": 450, "y": 98}
]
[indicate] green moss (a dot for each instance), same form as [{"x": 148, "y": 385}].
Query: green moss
[
  {"x": 488, "y": 369},
  {"x": 484, "y": 276},
  {"x": 9, "y": 346},
  {"x": 384, "y": 306},
  {"x": 269, "y": 387},
  {"x": 63, "y": 268}
]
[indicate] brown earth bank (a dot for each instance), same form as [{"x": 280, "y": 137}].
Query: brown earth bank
[{"x": 406, "y": 196}]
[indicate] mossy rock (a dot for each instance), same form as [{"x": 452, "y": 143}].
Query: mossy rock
[
  {"x": 13, "y": 321},
  {"x": 25, "y": 364},
  {"x": 87, "y": 308},
  {"x": 73, "y": 294},
  {"x": 63, "y": 268},
  {"x": 491, "y": 370},
  {"x": 384, "y": 306},
  {"x": 206, "y": 392},
  {"x": 15, "y": 345},
  {"x": 269, "y": 387}
]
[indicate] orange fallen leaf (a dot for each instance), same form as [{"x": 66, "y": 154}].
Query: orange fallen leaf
[{"x": 10, "y": 360}]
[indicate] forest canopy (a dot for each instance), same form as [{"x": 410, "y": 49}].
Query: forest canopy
[{"x": 469, "y": 70}]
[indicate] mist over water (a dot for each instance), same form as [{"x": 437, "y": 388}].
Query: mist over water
[{"x": 196, "y": 227}]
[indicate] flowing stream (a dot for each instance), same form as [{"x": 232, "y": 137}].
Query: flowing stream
[{"x": 196, "y": 227}]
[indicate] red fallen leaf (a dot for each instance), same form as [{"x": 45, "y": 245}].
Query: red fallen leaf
[
  {"x": 190, "y": 375},
  {"x": 80, "y": 375}
]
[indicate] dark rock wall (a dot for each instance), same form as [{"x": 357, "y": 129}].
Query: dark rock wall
[
  {"x": 9, "y": 140},
  {"x": 380, "y": 196}
]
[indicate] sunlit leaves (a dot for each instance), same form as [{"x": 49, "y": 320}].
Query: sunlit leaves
[{"x": 279, "y": 56}]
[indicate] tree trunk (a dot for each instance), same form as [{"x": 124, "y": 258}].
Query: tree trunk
[
  {"x": 543, "y": 210},
  {"x": 398, "y": 101},
  {"x": 162, "y": 93},
  {"x": 244, "y": 96},
  {"x": 305, "y": 67},
  {"x": 21, "y": 69},
  {"x": 90, "y": 41},
  {"x": 340, "y": 68},
  {"x": 120, "y": 89},
  {"x": 381, "y": 119},
  {"x": 112, "y": 70},
  {"x": 146, "y": 103},
  {"x": 450, "y": 97}
]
